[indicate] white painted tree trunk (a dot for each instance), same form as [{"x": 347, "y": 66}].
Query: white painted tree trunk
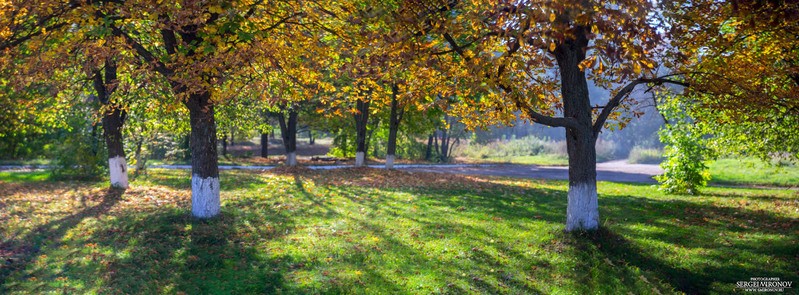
[
  {"x": 583, "y": 210},
  {"x": 118, "y": 168},
  {"x": 204, "y": 196},
  {"x": 390, "y": 162},
  {"x": 360, "y": 159},
  {"x": 291, "y": 159}
]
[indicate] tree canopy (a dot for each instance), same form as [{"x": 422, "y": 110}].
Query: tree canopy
[{"x": 223, "y": 64}]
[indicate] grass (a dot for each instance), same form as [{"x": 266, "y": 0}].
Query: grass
[
  {"x": 750, "y": 171},
  {"x": 36, "y": 176},
  {"x": 368, "y": 231}
]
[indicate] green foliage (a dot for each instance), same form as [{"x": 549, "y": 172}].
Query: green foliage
[
  {"x": 80, "y": 156},
  {"x": 686, "y": 153},
  {"x": 640, "y": 155},
  {"x": 343, "y": 143}
]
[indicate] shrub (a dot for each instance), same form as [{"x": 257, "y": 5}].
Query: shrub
[
  {"x": 686, "y": 153},
  {"x": 80, "y": 156}
]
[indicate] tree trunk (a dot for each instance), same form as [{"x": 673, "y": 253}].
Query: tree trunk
[
  {"x": 112, "y": 131},
  {"x": 361, "y": 120},
  {"x": 141, "y": 160},
  {"x": 435, "y": 144},
  {"x": 205, "y": 201},
  {"x": 224, "y": 144},
  {"x": 310, "y": 137},
  {"x": 265, "y": 145},
  {"x": 394, "y": 118},
  {"x": 582, "y": 212},
  {"x": 288, "y": 130},
  {"x": 444, "y": 152},
  {"x": 429, "y": 152},
  {"x": 113, "y": 120}
]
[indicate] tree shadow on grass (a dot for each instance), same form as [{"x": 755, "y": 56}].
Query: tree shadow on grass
[
  {"x": 726, "y": 243},
  {"x": 18, "y": 252},
  {"x": 167, "y": 250}
]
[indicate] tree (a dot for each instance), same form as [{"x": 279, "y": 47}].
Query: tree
[
  {"x": 394, "y": 118},
  {"x": 39, "y": 45},
  {"x": 196, "y": 47},
  {"x": 104, "y": 82},
  {"x": 535, "y": 57},
  {"x": 287, "y": 120},
  {"x": 741, "y": 59}
]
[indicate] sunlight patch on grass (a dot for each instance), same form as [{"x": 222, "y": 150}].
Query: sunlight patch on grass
[{"x": 754, "y": 172}]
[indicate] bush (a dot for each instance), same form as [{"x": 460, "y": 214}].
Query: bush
[
  {"x": 686, "y": 151},
  {"x": 639, "y": 155},
  {"x": 80, "y": 156}
]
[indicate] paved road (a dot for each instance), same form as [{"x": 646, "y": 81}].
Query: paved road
[{"x": 618, "y": 171}]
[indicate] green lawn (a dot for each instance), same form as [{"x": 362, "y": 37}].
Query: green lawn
[
  {"x": 753, "y": 171},
  {"x": 24, "y": 177},
  {"x": 368, "y": 231}
]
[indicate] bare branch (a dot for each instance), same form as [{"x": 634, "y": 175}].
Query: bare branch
[{"x": 623, "y": 93}]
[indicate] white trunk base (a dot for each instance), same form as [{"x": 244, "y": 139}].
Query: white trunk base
[
  {"x": 360, "y": 159},
  {"x": 291, "y": 159},
  {"x": 390, "y": 162},
  {"x": 582, "y": 212},
  {"x": 204, "y": 196},
  {"x": 118, "y": 168}
]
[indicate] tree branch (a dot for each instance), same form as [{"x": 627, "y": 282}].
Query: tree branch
[
  {"x": 623, "y": 93},
  {"x": 142, "y": 52}
]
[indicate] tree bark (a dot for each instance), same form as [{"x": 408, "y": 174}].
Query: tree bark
[
  {"x": 444, "y": 152},
  {"x": 205, "y": 201},
  {"x": 582, "y": 212},
  {"x": 265, "y": 145},
  {"x": 141, "y": 160},
  {"x": 429, "y": 152},
  {"x": 112, "y": 121},
  {"x": 395, "y": 116},
  {"x": 435, "y": 144},
  {"x": 224, "y": 144},
  {"x": 117, "y": 164},
  {"x": 288, "y": 131},
  {"x": 361, "y": 120}
]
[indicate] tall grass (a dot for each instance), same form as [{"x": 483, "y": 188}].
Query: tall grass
[
  {"x": 639, "y": 155},
  {"x": 525, "y": 147}
]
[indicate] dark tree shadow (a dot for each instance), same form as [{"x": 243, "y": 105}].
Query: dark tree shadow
[{"x": 18, "y": 252}]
